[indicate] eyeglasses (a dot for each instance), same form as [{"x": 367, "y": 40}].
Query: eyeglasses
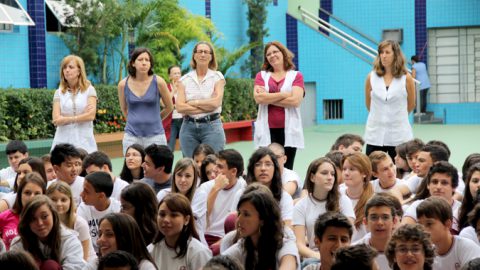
[
  {"x": 272, "y": 53},
  {"x": 267, "y": 165},
  {"x": 203, "y": 52},
  {"x": 403, "y": 250},
  {"x": 378, "y": 217}
]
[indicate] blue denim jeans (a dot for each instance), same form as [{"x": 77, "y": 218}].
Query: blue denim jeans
[
  {"x": 128, "y": 140},
  {"x": 174, "y": 132},
  {"x": 192, "y": 134}
]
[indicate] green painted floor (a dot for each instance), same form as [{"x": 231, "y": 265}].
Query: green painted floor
[{"x": 462, "y": 140}]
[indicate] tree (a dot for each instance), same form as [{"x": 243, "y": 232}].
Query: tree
[
  {"x": 257, "y": 16},
  {"x": 226, "y": 59}
]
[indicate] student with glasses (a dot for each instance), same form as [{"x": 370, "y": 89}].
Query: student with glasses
[
  {"x": 199, "y": 99},
  {"x": 279, "y": 90}
]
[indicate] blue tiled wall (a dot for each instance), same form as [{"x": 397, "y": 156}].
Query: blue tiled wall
[
  {"x": 421, "y": 30},
  {"x": 447, "y": 13},
  {"x": 56, "y": 51},
  {"x": 14, "y": 63},
  {"x": 292, "y": 38},
  {"x": 36, "y": 43}
]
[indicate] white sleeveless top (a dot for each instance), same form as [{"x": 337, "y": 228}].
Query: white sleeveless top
[{"x": 387, "y": 123}]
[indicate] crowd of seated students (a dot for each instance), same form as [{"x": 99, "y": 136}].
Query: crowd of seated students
[{"x": 211, "y": 211}]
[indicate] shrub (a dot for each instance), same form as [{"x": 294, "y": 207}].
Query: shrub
[{"x": 26, "y": 114}]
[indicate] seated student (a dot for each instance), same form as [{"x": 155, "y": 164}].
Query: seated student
[
  {"x": 67, "y": 163},
  {"x": 96, "y": 202},
  {"x": 426, "y": 157},
  {"x": 472, "y": 232},
  {"x": 208, "y": 170},
  {"x": 356, "y": 173},
  {"x": 221, "y": 191},
  {"x": 25, "y": 166},
  {"x": 263, "y": 168},
  {"x": 31, "y": 186},
  {"x": 99, "y": 161},
  {"x": 442, "y": 179},
  {"x": 43, "y": 236},
  {"x": 15, "y": 151},
  {"x": 348, "y": 143},
  {"x": 410, "y": 248},
  {"x": 119, "y": 260},
  {"x": 185, "y": 179},
  {"x": 471, "y": 194},
  {"x": 61, "y": 194},
  {"x": 472, "y": 265},
  {"x": 384, "y": 170},
  {"x": 139, "y": 201},
  {"x": 157, "y": 167},
  {"x": 358, "y": 257},
  {"x": 290, "y": 179},
  {"x": 403, "y": 170},
  {"x": 17, "y": 259},
  {"x": 266, "y": 243},
  {"x": 177, "y": 244},
  {"x": 201, "y": 152},
  {"x": 435, "y": 214},
  {"x": 322, "y": 187},
  {"x": 49, "y": 171},
  {"x": 380, "y": 219},
  {"x": 132, "y": 165},
  {"x": 332, "y": 231},
  {"x": 119, "y": 231},
  {"x": 222, "y": 262}
]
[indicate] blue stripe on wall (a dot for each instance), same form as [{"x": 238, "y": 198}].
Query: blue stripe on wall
[
  {"x": 292, "y": 38},
  {"x": 36, "y": 44},
  {"x": 421, "y": 30},
  {"x": 328, "y": 6}
]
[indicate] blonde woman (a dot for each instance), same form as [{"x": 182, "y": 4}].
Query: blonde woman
[{"x": 74, "y": 106}]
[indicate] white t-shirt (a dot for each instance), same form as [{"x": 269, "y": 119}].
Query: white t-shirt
[
  {"x": 378, "y": 189},
  {"x": 10, "y": 198},
  {"x": 118, "y": 186},
  {"x": 222, "y": 207},
  {"x": 77, "y": 188},
  {"x": 469, "y": 233},
  {"x": 81, "y": 228},
  {"x": 412, "y": 212},
  {"x": 8, "y": 174},
  {"x": 361, "y": 231},
  {"x": 381, "y": 259},
  {"x": 413, "y": 183},
  {"x": 196, "y": 257},
  {"x": 286, "y": 204},
  {"x": 291, "y": 176},
  {"x": 307, "y": 210},
  {"x": 93, "y": 216},
  {"x": 462, "y": 251},
  {"x": 289, "y": 248}
]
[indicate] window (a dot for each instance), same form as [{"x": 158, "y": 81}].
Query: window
[
  {"x": 332, "y": 109},
  {"x": 11, "y": 12},
  {"x": 6, "y": 27}
]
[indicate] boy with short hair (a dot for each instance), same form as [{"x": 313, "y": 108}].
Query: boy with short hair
[
  {"x": 15, "y": 151},
  {"x": 435, "y": 214},
  {"x": 384, "y": 170},
  {"x": 99, "y": 161},
  {"x": 380, "y": 219},
  {"x": 333, "y": 230},
  {"x": 348, "y": 143},
  {"x": 157, "y": 167},
  {"x": 290, "y": 179},
  {"x": 96, "y": 202},
  {"x": 66, "y": 162},
  {"x": 358, "y": 257}
]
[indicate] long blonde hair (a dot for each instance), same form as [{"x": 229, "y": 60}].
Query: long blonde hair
[
  {"x": 64, "y": 188},
  {"x": 398, "y": 65},
  {"x": 83, "y": 83}
]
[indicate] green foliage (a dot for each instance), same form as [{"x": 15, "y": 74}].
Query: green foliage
[
  {"x": 257, "y": 16},
  {"x": 227, "y": 59},
  {"x": 167, "y": 29},
  {"x": 238, "y": 103},
  {"x": 26, "y": 114}
]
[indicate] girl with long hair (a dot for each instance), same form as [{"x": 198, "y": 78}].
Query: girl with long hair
[
  {"x": 132, "y": 166},
  {"x": 176, "y": 244},
  {"x": 139, "y": 201},
  {"x": 356, "y": 173},
  {"x": 470, "y": 197},
  {"x": 264, "y": 244},
  {"x": 208, "y": 170},
  {"x": 30, "y": 186},
  {"x": 46, "y": 239},
  {"x": 323, "y": 196},
  {"x": 61, "y": 195}
]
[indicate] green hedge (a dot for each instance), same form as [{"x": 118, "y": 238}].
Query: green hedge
[{"x": 26, "y": 114}]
